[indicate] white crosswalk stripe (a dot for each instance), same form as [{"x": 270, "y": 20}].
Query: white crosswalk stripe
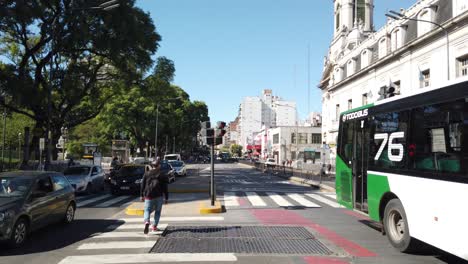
[
  {"x": 93, "y": 200},
  {"x": 230, "y": 199},
  {"x": 151, "y": 258},
  {"x": 254, "y": 199},
  {"x": 333, "y": 196},
  {"x": 169, "y": 219},
  {"x": 302, "y": 201},
  {"x": 113, "y": 201},
  {"x": 324, "y": 200},
  {"x": 132, "y": 226},
  {"x": 279, "y": 200},
  {"x": 117, "y": 245}
]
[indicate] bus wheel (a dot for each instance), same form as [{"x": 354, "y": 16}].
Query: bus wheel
[{"x": 396, "y": 226}]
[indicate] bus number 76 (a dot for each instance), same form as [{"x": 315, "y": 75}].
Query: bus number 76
[{"x": 391, "y": 146}]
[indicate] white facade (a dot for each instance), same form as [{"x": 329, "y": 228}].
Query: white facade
[
  {"x": 291, "y": 142},
  {"x": 256, "y": 113},
  {"x": 404, "y": 54}
]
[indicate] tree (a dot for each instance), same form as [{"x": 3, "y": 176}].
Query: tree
[
  {"x": 134, "y": 113},
  {"x": 236, "y": 150},
  {"x": 82, "y": 56}
]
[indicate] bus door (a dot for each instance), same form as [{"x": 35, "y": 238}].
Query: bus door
[{"x": 359, "y": 164}]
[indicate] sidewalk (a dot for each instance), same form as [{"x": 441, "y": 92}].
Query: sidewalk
[{"x": 187, "y": 196}]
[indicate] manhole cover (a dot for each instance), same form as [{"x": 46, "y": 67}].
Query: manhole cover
[{"x": 240, "y": 239}]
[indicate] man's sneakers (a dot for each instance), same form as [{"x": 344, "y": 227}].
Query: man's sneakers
[
  {"x": 146, "y": 228},
  {"x": 155, "y": 229}
]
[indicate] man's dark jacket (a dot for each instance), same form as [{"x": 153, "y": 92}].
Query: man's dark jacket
[{"x": 154, "y": 185}]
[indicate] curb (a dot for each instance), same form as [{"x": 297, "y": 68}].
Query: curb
[
  {"x": 134, "y": 209},
  {"x": 313, "y": 183},
  {"x": 208, "y": 209}
]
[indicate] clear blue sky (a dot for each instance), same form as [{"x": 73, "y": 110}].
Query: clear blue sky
[{"x": 226, "y": 50}]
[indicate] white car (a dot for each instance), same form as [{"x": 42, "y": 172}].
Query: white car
[
  {"x": 179, "y": 168},
  {"x": 170, "y": 157},
  {"x": 85, "y": 179},
  {"x": 270, "y": 162}
]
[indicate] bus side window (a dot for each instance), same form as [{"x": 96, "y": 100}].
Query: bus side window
[{"x": 437, "y": 133}]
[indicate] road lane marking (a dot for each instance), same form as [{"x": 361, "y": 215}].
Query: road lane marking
[
  {"x": 133, "y": 226},
  {"x": 333, "y": 196},
  {"x": 113, "y": 201},
  {"x": 169, "y": 219},
  {"x": 278, "y": 199},
  {"x": 90, "y": 201},
  {"x": 115, "y": 234},
  {"x": 117, "y": 245},
  {"x": 304, "y": 202},
  {"x": 150, "y": 258},
  {"x": 254, "y": 199},
  {"x": 324, "y": 200},
  {"x": 230, "y": 199}
]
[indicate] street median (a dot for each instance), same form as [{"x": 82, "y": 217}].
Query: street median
[
  {"x": 136, "y": 208},
  {"x": 207, "y": 208}
]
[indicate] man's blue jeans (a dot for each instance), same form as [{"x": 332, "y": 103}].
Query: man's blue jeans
[{"x": 153, "y": 205}]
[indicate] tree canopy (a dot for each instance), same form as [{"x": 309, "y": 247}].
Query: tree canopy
[{"x": 83, "y": 56}]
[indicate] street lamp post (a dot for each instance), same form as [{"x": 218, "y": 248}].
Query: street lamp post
[
  {"x": 4, "y": 137},
  {"x": 106, "y": 6},
  {"x": 397, "y": 16}
]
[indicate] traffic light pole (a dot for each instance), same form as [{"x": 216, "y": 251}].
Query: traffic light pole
[{"x": 212, "y": 187}]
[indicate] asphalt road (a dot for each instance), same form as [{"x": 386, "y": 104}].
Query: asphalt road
[{"x": 268, "y": 220}]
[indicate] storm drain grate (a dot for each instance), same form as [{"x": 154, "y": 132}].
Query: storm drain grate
[
  {"x": 240, "y": 239},
  {"x": 238, "y": 232}
]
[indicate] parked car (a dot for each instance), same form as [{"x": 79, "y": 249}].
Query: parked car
[
  {"x": 167, "y": 169},
  {"x": 270, "y": 162},
  {"x": 85, "y": 178},
  {"x": 30, "y": 200},
  {"x": 179, "y": 168},
  {"x": 128, "y": 178}
]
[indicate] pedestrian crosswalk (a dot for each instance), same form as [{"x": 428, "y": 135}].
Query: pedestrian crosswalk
[
  {"x": 235, "y": 199},
  {"x": 124, "y": 238},
  {"x": 104, "y": 200}
]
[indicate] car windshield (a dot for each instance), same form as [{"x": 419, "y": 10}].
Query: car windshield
[
  {"x": 132, "y": 171},
  {"x": 177, "y": 163},
  {"x": 76, "y": 171},
  {"x": 14, "y": 186}
]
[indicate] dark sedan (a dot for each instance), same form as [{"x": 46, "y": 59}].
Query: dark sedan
[
  {"x": 167, "y": 169},
  {"x": 30, "y": 200},
  {"x": 128, "y": 178}
]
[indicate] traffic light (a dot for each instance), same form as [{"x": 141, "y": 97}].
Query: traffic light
[
  {"x": 220, "y": 129},
  {"x": 391, "y": 91}
]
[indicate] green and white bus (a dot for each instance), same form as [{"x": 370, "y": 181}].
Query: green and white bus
[{"x": 404, "y": 162}]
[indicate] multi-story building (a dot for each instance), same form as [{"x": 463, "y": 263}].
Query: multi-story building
[
  {"x": 264, "y": 111},
  {"x": 426, "y": 46}
]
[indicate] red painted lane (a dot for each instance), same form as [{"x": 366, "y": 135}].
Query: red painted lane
[
  {"x": 283, "y": 217},
  {"x": 243, "y": 202},
  {"x": 322, "y": 260}
]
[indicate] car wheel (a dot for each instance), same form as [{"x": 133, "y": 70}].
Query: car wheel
[
  {"x": 396, "y": 227},
  {"x": 19, "y": 233},
  {"x": 69, "y": 214}
]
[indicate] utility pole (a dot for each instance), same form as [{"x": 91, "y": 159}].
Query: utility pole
[
  {"x": 4, "y": 137},
  {"x": 173, "y": 145},
  {"x": 212, "y": 186}
]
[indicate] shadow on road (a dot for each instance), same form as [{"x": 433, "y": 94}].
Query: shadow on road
[{"x": 58, "y": 236}]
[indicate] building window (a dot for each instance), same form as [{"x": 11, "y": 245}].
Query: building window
[
  {"x": 425, "y": 78},
  {"x": 293, "y": 138},
  {"x": 350, "y": 104},
  {"x": 337, "y": 114},
  {"x": 316, "y": 139},
  {"x": 351, "y": 68},
  {"x": 302, "y": 138},
  {"x": 364, "y": 99},
  {"x": 423, "y": 27},
  {"x": 275, "y": 138},
  {"x": 366, "y": 56},
  {"x": 460, "y": 6},
  {"x": 398, "y": 37},
  {"x": 337, "y": 25},
  {"x": 462, "y": 64},
  {"x": 382, "y": 48}
]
